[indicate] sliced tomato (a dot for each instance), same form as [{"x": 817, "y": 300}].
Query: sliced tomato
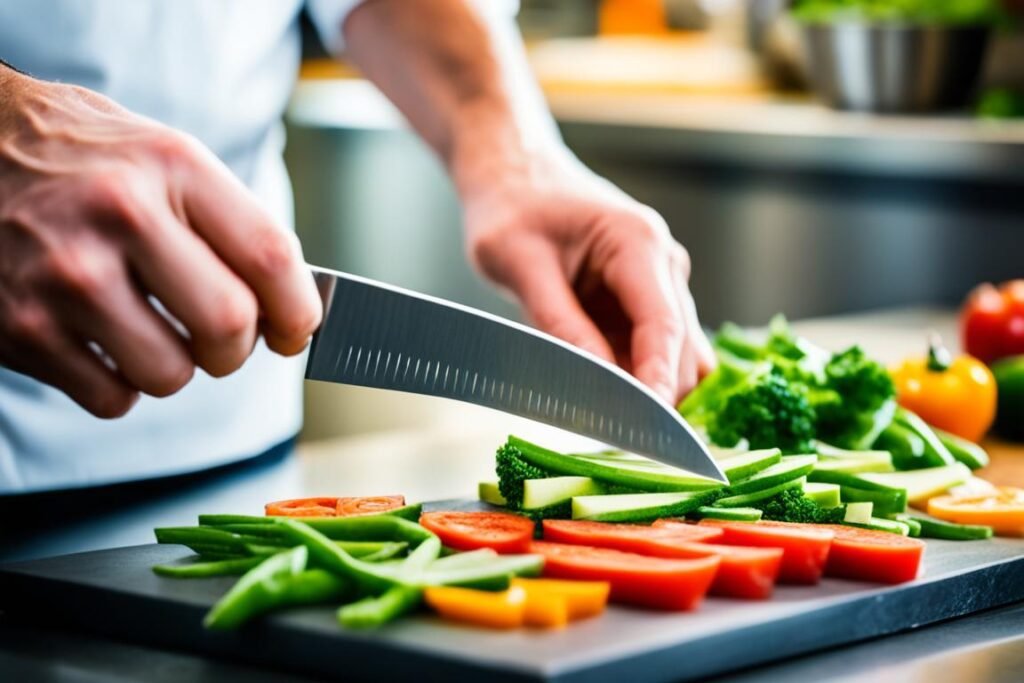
[
  {"x": 868, "y": 555},
  {"x": 500, "y": 531},
  {"x": 743, "y": 572},
  {"x": 656, "y": 582},
  {"x": 367, "y": 505},
  {"x": 322, "y": 506},
  {"x": 805, "y": 547}
]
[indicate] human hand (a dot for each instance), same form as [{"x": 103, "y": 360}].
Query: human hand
[
  {"x": 591, "y": 266},
  {"x": 102, "y": 209}
]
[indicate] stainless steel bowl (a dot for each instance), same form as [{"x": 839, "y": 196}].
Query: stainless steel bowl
[{"x": 894, "y": 68}]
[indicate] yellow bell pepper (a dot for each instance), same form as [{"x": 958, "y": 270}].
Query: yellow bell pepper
[
  {"x": 494, "y": 609},
  {"x": 957, "y": 395},
  {"x": 582, "y": 599}
]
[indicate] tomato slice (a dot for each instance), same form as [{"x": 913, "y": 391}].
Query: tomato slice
[
  {"x": 868, "y": 555},
  {"x": 656, "y": 582},
  {"x": 323, "y": 506},
  {"x": 501, "y": 531},
  {"x": 805, "y": 547},
  {"x": 1003, "y": 510},
  {"x": 743, "y": 572},
  {"x": 368, "y": 505}
]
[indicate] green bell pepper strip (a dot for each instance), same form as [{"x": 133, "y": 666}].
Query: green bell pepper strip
[
  {"x": 278, "y": 581},
  {"x": 970, "y": 454},
  {"x": 374, "y": 611},
  {"x": 935, "y": 453},
  {"x": 936, "y": 528},
  {"x": 193, "y": 535},
  {"x": 359, "y": 528},
  {"x": 198, "y": 570}
]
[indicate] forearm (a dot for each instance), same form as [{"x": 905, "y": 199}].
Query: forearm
[{"x": 465, "y": 87}]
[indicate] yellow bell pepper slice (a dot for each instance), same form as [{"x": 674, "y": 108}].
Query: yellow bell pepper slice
[
  {"x": 1003, "y": 510},
  {"x": 582, "y": 599},
  {"x": 493, "y": 609}
]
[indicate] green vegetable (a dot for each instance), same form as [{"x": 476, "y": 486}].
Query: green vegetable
[
  {"x": 935, "y": 453},
  {"x": 489, "y": 492},
  {"x": 203, "y": 540},
  {"x": 792, "y": 505},
  {"x": 962, "y": 450},
  {"x": 375, "y": 611},
  {"x": 768, "y": 412},
  {"x": 857, "y": 401},
  {"x": 913, "y": 526},
  {"x": 749, "y": 499},
  {"x": 886, "y": 501},
  {"x": 921, "y": 485},
  {"x": 852, "y": 465},
  {"x": 935, "y": 528},
  {"x": 519, "y": 460},
  {"x": 639, "y": 507},
  {"x": 858, "y": 513},
  {"x": 277, "y": 581},
  {"x": 1001, "y": 103},
  {"x": 941, "y": 12},
  {"x": 881, "y": 524},
  {"x": 793, "y": 467},
  {"x": 749, "y": 463},
  {"x": 907, "y": 449},
  {"x": 732, "y": 514},
  {"x": 1009, "y": 374},
  {"x": 542, "y": 493},
  {"x": 206, "y": 569},
  {"x": 825, "y": 495}
]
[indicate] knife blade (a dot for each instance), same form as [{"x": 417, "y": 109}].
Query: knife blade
[{"x": 378, "y": 335}]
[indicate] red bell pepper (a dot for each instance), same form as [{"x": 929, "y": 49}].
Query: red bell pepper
[{"x": 992, "y": 321}]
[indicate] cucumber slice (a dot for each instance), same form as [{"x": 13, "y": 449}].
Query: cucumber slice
[
  {"x": 642, "y": 474},
  {"x": 881, "y": 524},
  {"x": 787, "y": 469},
  {"x": 488, "y": 492},
  {"x": 746, "y": 499},
  {"x": 732, "y": 514},
  {"x": 846, "y": 479},
  {"x": 540, "y": 493},
  {"x": 858, "y": 513},
  {"x": 887, "y": 502},
  {"x": 854, "y": 465},
  {"x": 748, "y": 464},
  {"x": 827, "y": 451},
  {"x": 638, "y": 507},
  {"x": 720, "y": 453},
  {"x": 923, "y": 484},
  {"x": 825, "y": 495},
  {"x": 912, "y": 524},
  {"x": 934, "y": 528}
]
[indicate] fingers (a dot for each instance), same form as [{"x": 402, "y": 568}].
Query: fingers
[
  {"x": 148, "y": 353},
  {"x": 269, "y": 260},
  {"x": 55, "y": 358},
  {"x": 218, "y": 310},
  {"x": 645, "y": 286},
  {"x": 698, "y": 358},
  {"x": 537, "y": 278}
]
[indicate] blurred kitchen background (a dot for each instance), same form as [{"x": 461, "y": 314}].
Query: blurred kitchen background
[{"x": 816, "y": 166}]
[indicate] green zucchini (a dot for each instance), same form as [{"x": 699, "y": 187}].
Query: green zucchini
[
  {"x": 746, "y": 499},
  {"x": 789, "y": 468},
  {"x": 639, "y": 507}
]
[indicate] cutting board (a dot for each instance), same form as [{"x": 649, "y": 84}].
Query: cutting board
[{"x": 114, "y": 592}]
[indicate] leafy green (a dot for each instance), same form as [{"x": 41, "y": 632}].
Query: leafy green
[
  {"x": 769, "y": 413},
  {"x": 793, "y": 506},
  {"x": 945, "y": 12}
]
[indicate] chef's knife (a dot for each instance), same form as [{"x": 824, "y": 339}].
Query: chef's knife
[{"x": 377, "y": 335}]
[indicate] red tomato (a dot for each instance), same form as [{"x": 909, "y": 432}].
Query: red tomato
[
  {"x": 805, "y": 547},
  {"x": 743, "y": 572},
  {"x": 867, "y": 555},
  {"x": 500, "y": 531},
  {"x": 368, "y": 505},
  {"x": 302, "y": 507},
  {"x": 992, "y": 321},
  {"x": 655, "y": 582}
]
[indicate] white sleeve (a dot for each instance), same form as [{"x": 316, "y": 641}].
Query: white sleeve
[{"x": 329, "y": 15}]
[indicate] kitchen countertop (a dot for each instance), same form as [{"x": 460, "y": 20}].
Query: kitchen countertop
[{"x": 447, "y": 462}]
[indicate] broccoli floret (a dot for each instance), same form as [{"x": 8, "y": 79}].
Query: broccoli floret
[
  {"x": 768, "y": 412},
  {"x": 513, "y": 470},
  {"x": 856, "y": 402},
  {"x": 793, "y": 506}
]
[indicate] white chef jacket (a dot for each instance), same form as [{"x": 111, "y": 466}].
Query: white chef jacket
[{"x": 221, "y": 70}]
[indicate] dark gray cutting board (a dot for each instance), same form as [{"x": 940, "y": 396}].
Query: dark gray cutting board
[{"x": 114, "y": 592}]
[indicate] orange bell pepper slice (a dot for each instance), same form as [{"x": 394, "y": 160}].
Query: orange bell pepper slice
[
  {"x": 1003, "y": 510},
  {"x": 493, "y": 609},
  {"x": 321, "y": 506},
  {"x": 581, "y": 599}
]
